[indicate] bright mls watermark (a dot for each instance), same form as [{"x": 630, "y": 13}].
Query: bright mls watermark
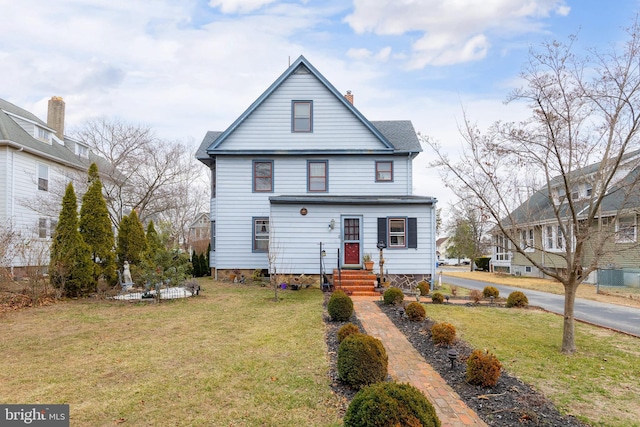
[{"x": 34, "y": 415}]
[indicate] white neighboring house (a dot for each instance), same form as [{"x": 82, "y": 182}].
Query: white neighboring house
[
  {"x": 302, "y": 170},
  {"x": 35, "y": 156}
]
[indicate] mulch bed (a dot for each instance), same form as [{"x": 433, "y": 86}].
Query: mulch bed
[{"x": 510, "y": 403}]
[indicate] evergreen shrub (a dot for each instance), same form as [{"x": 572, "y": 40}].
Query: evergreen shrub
[
  {"x": 393, "y": 296},
  {"x": 424, "y": 287},
  {"x": 415, "y": 311},
  {"x": 443, "y": 333},
  {"x": 517, "y": 299},
  {"x": 340, "y": 306},
  {"x": 490, "y": 291},
  {"x": 362, "y": 360},
  {"x": 483, "y": 368},
  {"x": 390, "y": 404},
  {"x": 437, "y": 298},
  {"x": 347, "y": 330}
]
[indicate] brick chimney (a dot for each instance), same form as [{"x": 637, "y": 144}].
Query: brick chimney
[
  {"x": 349, "y": 97},
  {"x": 55, "y": 116}
]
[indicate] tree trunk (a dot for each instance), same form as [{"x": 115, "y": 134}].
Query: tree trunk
[{"x": 568, "y": 331}]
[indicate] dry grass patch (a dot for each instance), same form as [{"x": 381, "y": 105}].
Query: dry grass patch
[
  {"x": 599, "y": 384},
  {"x": 585, "y": 291},
  {"x": 228, "y": 357}
]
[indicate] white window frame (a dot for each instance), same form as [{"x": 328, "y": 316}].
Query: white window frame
[
  {"x": 260, "y": 234},
  {"x": 502, "y": 246},
  {"x": 42, "y": 180},
  {"x": 82, "y": 151},
  {"x": 397, "y": 237},
  {"x": 553, "y": 238},
  {"x": 627, "y": 229},
  {"x": 527, "y": 240}
]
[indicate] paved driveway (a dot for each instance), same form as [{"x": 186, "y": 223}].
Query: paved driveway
[{"x": 621, "y": 318}]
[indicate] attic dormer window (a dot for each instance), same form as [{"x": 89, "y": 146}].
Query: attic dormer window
[
  {"x": 302, "y": 116},
  {"x": 82, "y": 151},
  {"x": 43, "y": 134}
]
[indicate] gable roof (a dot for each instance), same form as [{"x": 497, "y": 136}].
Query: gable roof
[
  {"x": 539, "y": 207},
  {"x": 396, "y": 136}
]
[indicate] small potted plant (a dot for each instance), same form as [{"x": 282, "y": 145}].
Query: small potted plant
[{"x": 368, "y": 262}]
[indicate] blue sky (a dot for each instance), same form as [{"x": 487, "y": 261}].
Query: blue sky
[{"x": 185, "y": 67}]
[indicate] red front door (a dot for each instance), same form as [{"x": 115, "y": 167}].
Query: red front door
[{"x": 351, "y": 240}]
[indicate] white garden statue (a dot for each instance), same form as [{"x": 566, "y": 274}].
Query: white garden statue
[{"x": 126, "y": 274}]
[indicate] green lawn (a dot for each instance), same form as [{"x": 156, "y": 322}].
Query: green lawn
[
  {"x": 230, "y": 357},
  {"x": 600, "y": 384}
]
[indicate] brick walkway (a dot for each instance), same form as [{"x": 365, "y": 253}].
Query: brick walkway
[{"x": 406, "y": 365}]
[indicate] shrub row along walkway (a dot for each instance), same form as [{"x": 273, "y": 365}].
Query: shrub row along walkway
[{"x": 406, "y": 365}]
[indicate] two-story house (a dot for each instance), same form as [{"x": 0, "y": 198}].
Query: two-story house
[
  {"x": 542, "y": 229},
  {"x": 35, "y": 157},
  {"x": 303, "y": 173}
]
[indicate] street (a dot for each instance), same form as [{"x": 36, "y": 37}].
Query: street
[{"x": 617, "y": 317}]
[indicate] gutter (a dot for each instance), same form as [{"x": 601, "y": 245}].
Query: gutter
[{"x": 40, "y": 154}]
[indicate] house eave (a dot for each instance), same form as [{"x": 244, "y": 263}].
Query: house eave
[{"x": 354, "y": 200}]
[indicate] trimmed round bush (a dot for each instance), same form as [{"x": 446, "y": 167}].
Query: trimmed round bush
[
  {"x": 393, "y": 296},
  {"x": 517, "y": 299},
  {"x": 490, "y": 291},
  {"x": 443, "y": 333},
  {"x": 423, "y": 287},
  {"x": 483, "y": 368},
  {"x": 390, "y": 404},
  {"x": 347, "y": 330},
  {"x": 437, "y": 298},
  {"x": 362, "y": 360},
  {"x": 340, "y": 306},
  {"x": 415, "y": 311}
]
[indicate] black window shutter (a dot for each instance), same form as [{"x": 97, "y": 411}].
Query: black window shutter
[
  {"x": 382, "y": 230},
  {"x": 412, "y": 231}
]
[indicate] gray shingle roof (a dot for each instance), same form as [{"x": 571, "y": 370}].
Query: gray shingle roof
[
  {"x": 11, "y": 132},
  {"x": 400, "y": 133}
]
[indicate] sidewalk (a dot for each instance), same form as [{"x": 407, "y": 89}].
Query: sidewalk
[{"x": 406, "y": 365}]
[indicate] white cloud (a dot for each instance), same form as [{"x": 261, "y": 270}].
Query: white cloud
[
  {"x": 361, "y": 54},
  {"x": 453, "y": 31},
  {"x": 239, "y": 6}
]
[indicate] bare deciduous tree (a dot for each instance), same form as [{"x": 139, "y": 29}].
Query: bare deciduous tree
[
  {"x": 155, "y": 177},
  {"x": 572, "y": 163}
]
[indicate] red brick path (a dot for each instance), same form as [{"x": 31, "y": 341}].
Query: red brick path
[{"x": 406, "y": 365}]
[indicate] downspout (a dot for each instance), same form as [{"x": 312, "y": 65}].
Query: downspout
[
  {"x": 13, "y": 197},
  {"x": 410, "y": 169},
  {"x": 13, "y": 181},
  {"x": 433, "y": 248}
]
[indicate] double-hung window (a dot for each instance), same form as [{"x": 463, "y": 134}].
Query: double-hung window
[
  {"x": 384, "y": 171},
  {"x": 43, "y": 177},
  {"x": 554, "y": 239},
  {"x": 317, "y": 175},
  {"x": 42, "y": 228},
  {"x": 527, "y": 240},
  {"x": 302, "y": 116},
  {"x": 397, "y": 232},
  {"x": 262, "y": 176},
  {"x": 260, "y": 234},
  {"x": 502, "y": 248},
  {"x": 626, "y": 229}
]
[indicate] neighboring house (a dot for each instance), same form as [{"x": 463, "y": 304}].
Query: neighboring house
[
  {"x": 442, "y": 244},
  {"x": 539, "y": 234},
  {"x": 200, "y": 233},
  {"x": 302, "y": 172},
  {"x": 35, "y": 157}
]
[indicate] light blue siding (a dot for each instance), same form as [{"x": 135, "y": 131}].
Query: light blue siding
[
  {"x": 334, "y": 126},
  {"x": 297, "y": 237}
]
